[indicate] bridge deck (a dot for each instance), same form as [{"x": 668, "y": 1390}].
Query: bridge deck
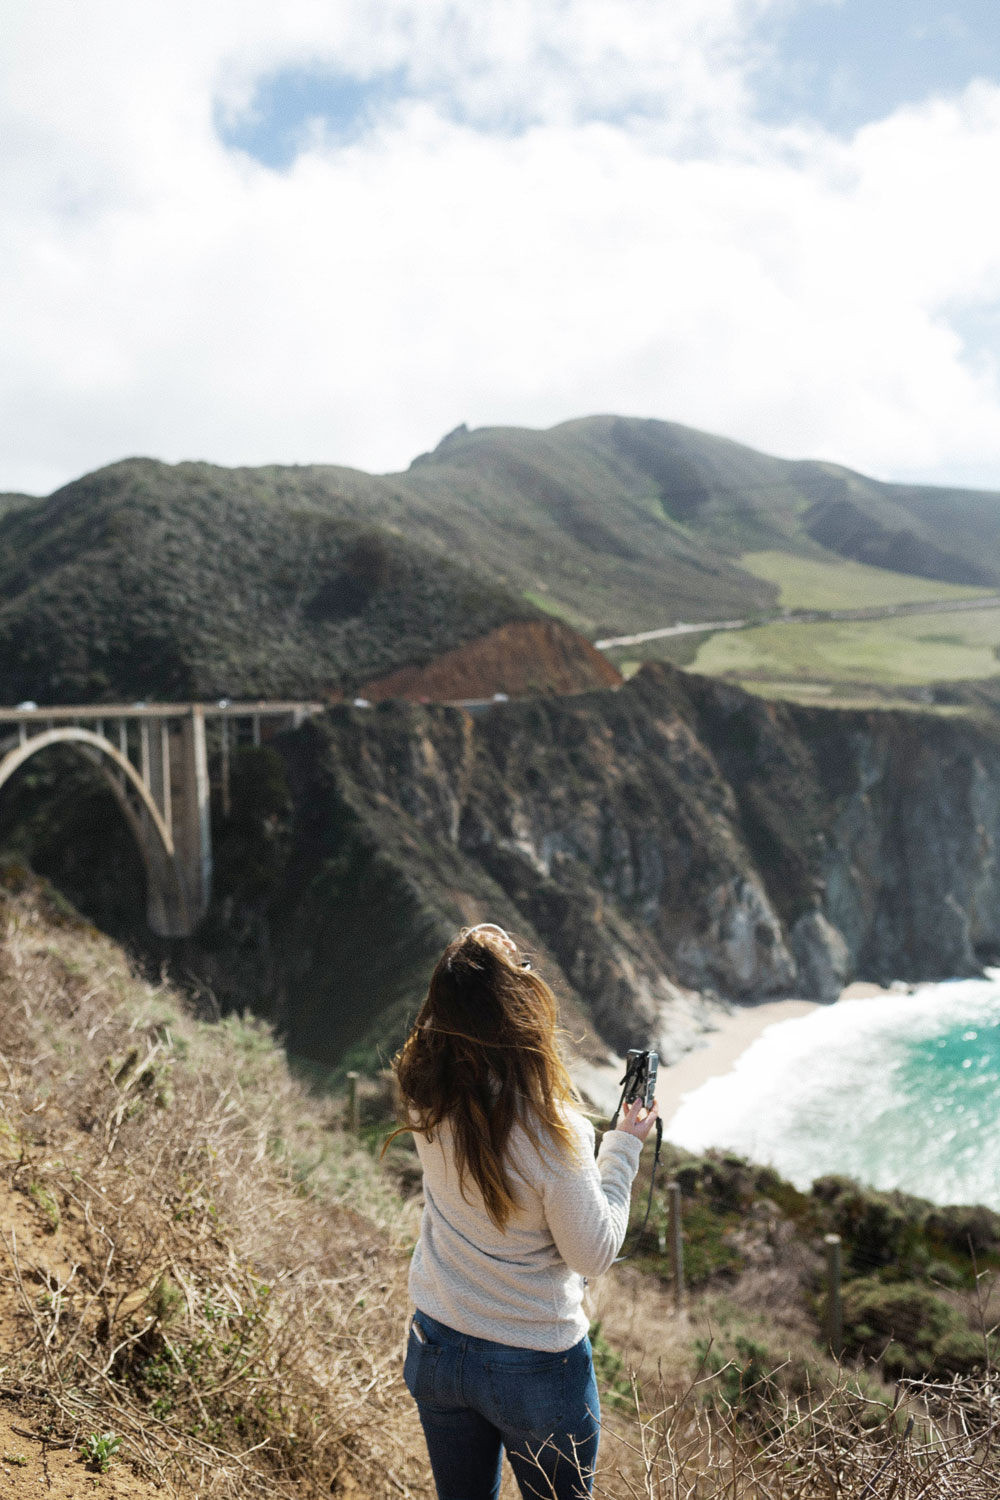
[{"x": 265, "y": 708}]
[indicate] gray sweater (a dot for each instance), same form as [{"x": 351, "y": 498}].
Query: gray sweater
[{"x": 522, "y": 1285}]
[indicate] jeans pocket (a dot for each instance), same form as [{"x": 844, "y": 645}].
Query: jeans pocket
[
  {"x": 420, "y": 1368},
  {"x": 528, "y": 1395}
]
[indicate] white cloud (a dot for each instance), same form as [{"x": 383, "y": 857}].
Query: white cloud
[{"x": 165, "y": 295}]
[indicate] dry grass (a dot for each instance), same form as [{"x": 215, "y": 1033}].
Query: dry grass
[
  {"x": 936, "y": 1442},
  {"x": 224, "y": 1283},
  {"x": 201, "y": 1263}
]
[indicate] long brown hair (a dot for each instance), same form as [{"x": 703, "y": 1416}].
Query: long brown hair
[{"x": 484, "y": 1054}]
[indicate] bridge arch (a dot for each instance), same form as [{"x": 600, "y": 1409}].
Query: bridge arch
[
  {"x": 15, "y": 759},
  {"x": 174, "y": 902},
  {"x": 166, "y": 799}
]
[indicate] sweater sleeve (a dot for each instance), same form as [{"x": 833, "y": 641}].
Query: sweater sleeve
[{"x": 587, "y": 1202}]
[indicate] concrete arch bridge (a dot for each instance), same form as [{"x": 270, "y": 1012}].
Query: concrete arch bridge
[{"x": 154, "y": 758}]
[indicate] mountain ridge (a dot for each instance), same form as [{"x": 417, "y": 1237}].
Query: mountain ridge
[{"x": 148, "y": 579}]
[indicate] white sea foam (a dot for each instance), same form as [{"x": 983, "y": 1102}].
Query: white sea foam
[{"x": 899, "y": 1090}]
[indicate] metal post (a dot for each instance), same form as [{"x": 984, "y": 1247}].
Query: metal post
[
  {"x": 255, "y": 721},
  {"x": 834, "y": 1301},
  {"x": 353, "y": 1116},
  {"x": 22, "y": 733},
  {"x": 676, "y": 1243}
]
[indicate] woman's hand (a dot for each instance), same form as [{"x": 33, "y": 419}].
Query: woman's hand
[{"x": 631, "y": 1123}]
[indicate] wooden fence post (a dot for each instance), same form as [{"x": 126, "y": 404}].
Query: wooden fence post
[
  {"x": 353, "y": 1119},
  {"x": 676, "y": 1243},
  {"x": 834, "y": 1302}
]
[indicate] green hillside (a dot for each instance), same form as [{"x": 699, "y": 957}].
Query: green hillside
[
  {"x": 628, "y": 525},
  {"x": 148, "y": 579},
  {"x": 912, "y": 649},
  {"x": 13, "y": 501},
  {"x": 832, "y": 582},
  {"x": 577, "y": 519},
  {"x": 145, "y": 580}
]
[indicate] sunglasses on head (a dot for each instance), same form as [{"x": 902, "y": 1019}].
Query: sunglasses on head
[{"x": 495, "y": 927}]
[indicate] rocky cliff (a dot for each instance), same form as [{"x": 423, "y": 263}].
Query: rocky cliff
[{"x": 657, "y": 844}]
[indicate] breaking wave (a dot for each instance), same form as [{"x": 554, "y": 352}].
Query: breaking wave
[{"x": 899, "y": 1091}]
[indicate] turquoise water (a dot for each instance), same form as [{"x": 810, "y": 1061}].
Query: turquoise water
[{"x": 899, "y": 1091}]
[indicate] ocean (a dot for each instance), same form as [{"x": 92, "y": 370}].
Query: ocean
[{"x": 898, "y": 1091}]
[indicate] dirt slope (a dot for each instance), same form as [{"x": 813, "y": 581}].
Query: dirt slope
[
  {"x": 520, "y": 658},
  {"x": 32, "y": 1462}
]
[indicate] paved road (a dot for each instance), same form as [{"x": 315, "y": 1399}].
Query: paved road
[{"x": 806, "y": 617}]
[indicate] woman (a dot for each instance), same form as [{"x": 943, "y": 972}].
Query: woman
[{"x": 517, "y": 1213}]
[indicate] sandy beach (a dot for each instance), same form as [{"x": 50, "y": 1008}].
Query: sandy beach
[
  {"x": 721, "y": 1048},
  {"x": 735, "y": 1034}
]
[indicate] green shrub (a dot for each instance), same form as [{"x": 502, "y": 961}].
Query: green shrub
[
  {"x": 708, "y": 1246},
  {"x": 99, "y": 1449},
  {"x": 880, "y": 1229},
  {"x": 909, "y": 1329},
  {"x": 744, "y": 1380},
  {"x": 44, "y": 1200},
  {"x": 967, "y": 1232}
]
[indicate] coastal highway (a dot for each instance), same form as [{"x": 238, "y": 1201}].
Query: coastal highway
[{"x": 804, "y": 617}]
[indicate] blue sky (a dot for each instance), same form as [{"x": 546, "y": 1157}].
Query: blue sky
[
  {"x": 331, "y": 232},
  {"x": 841, "y": 64},
  {"x": 286, "y": 106},
  {"x": 846, "y": 63}
]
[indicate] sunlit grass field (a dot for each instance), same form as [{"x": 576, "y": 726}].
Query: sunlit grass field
[
  {"x": 836, "y": 583},
  {"x": 908, "y": 651}
]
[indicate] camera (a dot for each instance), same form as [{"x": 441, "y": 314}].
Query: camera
[{"x": 640, "y": 1076}]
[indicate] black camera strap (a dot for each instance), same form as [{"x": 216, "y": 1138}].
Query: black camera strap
[{"x": 629, "y": 1076}]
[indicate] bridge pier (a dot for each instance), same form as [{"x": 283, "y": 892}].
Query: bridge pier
[{"x": 190, "y": 805}]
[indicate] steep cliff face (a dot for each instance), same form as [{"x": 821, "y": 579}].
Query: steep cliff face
[
  {"x": 657, "y": 844},
  {"x": 876, "y": 835}
]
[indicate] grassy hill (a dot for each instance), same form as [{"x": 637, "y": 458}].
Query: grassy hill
[
  {"x": 11, "y": 500},
  {"x": 651, "y": 519},
  {"x": 907, "y": 652},
  {"x": 146, "y": 579},
  {"x": 834, "y": 583}
]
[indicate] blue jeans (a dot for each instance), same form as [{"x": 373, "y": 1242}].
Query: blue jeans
[{"x": 477, "y": 1398}]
